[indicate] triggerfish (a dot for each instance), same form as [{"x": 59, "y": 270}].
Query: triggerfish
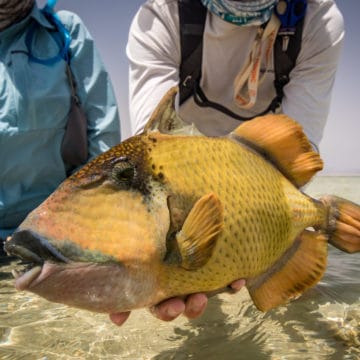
[{"x": 172, "y": 212}]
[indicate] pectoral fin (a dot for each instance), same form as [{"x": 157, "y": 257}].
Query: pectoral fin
[{"x": 197, "y": 238}]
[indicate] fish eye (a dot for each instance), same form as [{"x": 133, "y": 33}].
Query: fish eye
[{"x": 123, "y": 173}]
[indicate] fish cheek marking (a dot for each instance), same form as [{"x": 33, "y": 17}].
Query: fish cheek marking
[
  {"x": 172, "y": 255},
  {"x": 178, "y": 208}
]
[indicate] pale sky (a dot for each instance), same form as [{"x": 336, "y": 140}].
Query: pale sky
[{"x": 108, "y": 21}]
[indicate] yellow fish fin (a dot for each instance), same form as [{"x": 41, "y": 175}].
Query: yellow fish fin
[
  {"x": 165, "y": 119},
  {"x": 300, "y": 268},
  {"x": 197, "y": 238},
  {"x": 343, "y": 223},
  {"x": 282, "y": 140}
]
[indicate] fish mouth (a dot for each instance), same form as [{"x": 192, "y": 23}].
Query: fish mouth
[
  {"x": 33, "y": 251},
  {"x": 105, "y": 287}
]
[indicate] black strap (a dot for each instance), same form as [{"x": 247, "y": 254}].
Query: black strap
[
  {"x": 284, "y": 61},
  {"x": 202, "y": 101},
  {"x": 192, "y": 16}
]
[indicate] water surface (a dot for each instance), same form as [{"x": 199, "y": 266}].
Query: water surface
[{"x": 323, "y": 324}]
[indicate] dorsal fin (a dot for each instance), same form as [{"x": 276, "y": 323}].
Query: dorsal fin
[
  {"x": 282, "y": 139},
  {"x": 166, "y": 120}
]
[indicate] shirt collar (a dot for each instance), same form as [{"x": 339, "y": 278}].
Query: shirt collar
[
  {"x": 13, "y": 37},
  {"x": 38, "y": 16},
  {"x": 20, "y": 27}
]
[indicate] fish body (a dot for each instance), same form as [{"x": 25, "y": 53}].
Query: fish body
[
  {"x": 262, "y": 211},
  {"x": 167, "y": 214}
]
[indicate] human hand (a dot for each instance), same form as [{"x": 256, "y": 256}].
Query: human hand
[{"x": 192, "y": 307}]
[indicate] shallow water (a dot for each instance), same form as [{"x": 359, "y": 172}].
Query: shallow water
[{"x": 323, "y": 324}]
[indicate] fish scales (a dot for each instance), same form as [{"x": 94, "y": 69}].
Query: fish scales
[{"x": 263, "y": 212}]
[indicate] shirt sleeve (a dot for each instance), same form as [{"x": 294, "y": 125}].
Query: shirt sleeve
[
  {"x": 307, "y": 96},
  {"x": 153, "y": 51},
  {"x": 94, "y": 88}
]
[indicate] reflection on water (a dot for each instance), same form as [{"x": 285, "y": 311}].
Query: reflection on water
[{"x": 323, "y": 324}]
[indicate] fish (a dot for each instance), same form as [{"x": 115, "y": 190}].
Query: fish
[{"x": 171, "y": 212}]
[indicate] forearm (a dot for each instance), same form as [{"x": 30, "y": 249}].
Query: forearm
[{"x": 154, "y": 58}]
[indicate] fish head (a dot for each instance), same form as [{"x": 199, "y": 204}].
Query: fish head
[{"x": 99, "y": 240}]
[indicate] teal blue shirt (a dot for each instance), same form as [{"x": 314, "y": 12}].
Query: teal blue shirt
[{"x": 34, "y": 104}]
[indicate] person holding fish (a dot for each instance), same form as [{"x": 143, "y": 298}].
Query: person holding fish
[
  {"x": 233, "y": 61},
  {"x": 57, "y": 105}
]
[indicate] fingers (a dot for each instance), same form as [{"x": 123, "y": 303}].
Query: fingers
[
  {"x": 195, "y": 305},
  {"x": 169, "y": 309},
  {"x": 237, "y": 285},
  {"x": 119, "y": 318}
]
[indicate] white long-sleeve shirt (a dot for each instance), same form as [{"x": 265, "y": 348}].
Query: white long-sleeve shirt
[{"x": 153, "y": 50}]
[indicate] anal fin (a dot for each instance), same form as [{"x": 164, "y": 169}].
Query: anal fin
[{"x": 300, "y": 268}]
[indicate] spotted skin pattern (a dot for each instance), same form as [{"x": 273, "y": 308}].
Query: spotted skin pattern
[{"x": 263, "y": 212}]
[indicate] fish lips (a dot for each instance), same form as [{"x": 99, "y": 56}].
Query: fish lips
[
  {"x": 32, "y": 248},
  {"x": 33, "y": 251}
]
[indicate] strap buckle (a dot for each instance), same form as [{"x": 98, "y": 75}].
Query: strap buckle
[{"x": 289, "y": 13}]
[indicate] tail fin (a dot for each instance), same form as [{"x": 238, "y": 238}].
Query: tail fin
[{"x": 343, "y": 225}]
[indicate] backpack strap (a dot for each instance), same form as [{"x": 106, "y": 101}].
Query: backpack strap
[
  {"x": 287, "y": 45},
  {"x": 201, "y": 100},
  {"x": 192, "y": 16}
]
